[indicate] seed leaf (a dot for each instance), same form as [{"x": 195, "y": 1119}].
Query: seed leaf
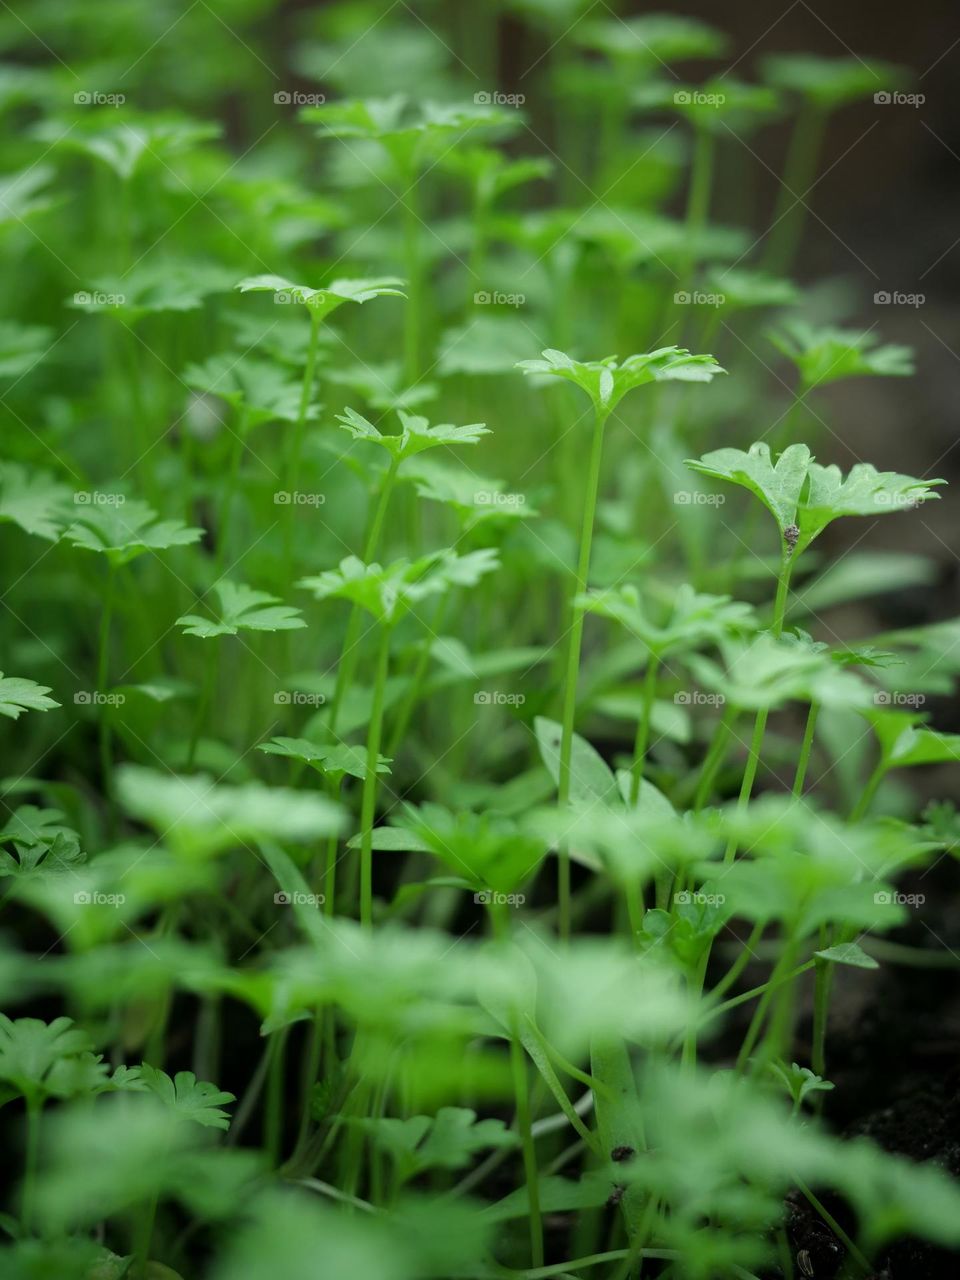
[
  {"x": 326, "y": 759},
  {"x": 848, "y": 953},
  {"x": 830, "y": 83}
]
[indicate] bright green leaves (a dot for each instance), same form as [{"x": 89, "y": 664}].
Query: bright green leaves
[
  {"x": 827, "y": 355},
  {"x": 766, "y": 671},
  {"x": 34, "y": 500},
  {"x": 655, "y": 39},
  {"x": 153, "y": 287},
  {"x": 692, "y": 618},
  {"x": 197, "y": 816},
  {"x": 777, "y": 484},
  {"x": 607, "y": 381},
  {"x": 448, "y": 1140},
  {"x": 42, "y": 845},
  {"x": 323, "y": 302},
  {"x": 829, "y": 83},
  {"x": 18, "y": 695},
  {"x": 185, "y": 1095},
  {"x": 125, "y": 529},
  {"x": 259, "y": 390},
  {"x": 417, "y": 434},
  {"x": 129, "y": 144},
  {"x": 242, "y": 609},
  {"x": 38, "y": 1058},
  {"x": 489, "y": 851},
  {"x": 388, "y": 593},
  {"x": 804, "y": 497},
  {"x": 331, "y": 760}
]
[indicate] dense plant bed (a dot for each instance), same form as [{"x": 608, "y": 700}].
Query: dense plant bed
[{"x": 462, "y": 816}]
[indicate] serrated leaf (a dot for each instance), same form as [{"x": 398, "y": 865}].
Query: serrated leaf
[
  {"x": 607, "y": 381},
  {"x": 18, "y": 695},
  {"x": 243, "y": 609},
  {"x": 416, "y": 436},
  {"x": 126, "y": 530},
  {"x": 196, "y": 1100},
  {"x": 34, "y": 500}
]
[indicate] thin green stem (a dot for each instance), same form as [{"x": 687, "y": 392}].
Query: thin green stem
[
  {"x": 803, "y": 761},
  {"x": 273, "y": 1111},
  {"x": 865, "y": 797},
  {"x": 799, "y": 170},
  {"x": 346, "y": 668},
  {"x": 568, "y": 715},
  {"x": 103, "y": 679},
  {"x": 144, "y": 1238},
  {"x": 306, "y": 395},
  {"x": 835, "y": 1227},
  {"x": 34, "y": 1108},
  {"x": 369, "y": 800}
]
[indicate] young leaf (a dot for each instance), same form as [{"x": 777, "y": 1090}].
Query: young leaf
[
  {"x": 607, "y": 381},
  {"x": 17, "y": 695},
  {"x": 693, "y": 619},
  {"x": 196, "y": 1100},
  {"x": 243, "y": 609},
  {"x": 322, "y": 302},
  {"x": 417, "y": 434},
  {"x": 31, "y": 1049},
  {"x": 390, "y": 592},
  {"x": 829, "y": 83},
  {"x": 827, "y": 355},
  {"x": 804, "y": 497},
  {"x": 331, "y": 760},
  {"x": 196, "y": 815},
  {"x": 34, "y": 500},
  {"x": 126, "y": 530}
]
